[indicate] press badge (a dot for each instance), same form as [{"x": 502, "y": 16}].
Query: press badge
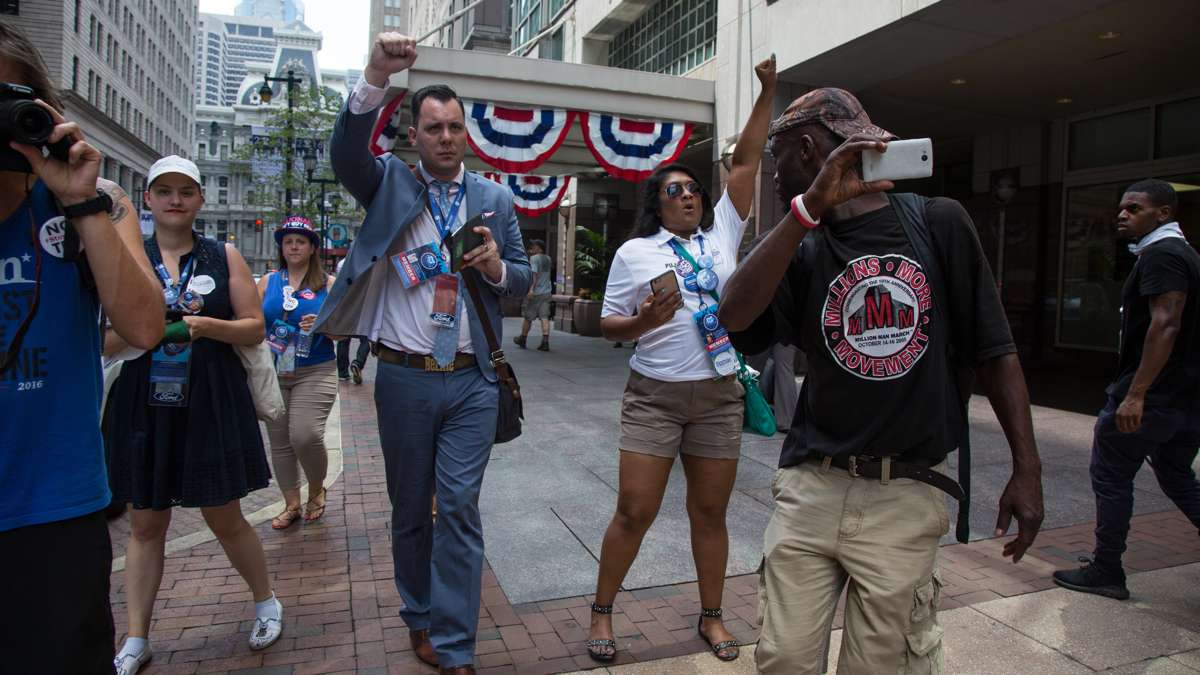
[
  {"x": 445, "y": 300},
  {"x": 169, "y": 366},
  {"x": 285, "y": 363},
  {"x": 716, "y": 340},
  {"x": 419, "y": 264},
  {"x": 280, "y": 337}
]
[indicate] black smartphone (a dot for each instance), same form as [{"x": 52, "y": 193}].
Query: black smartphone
[{"x": 464, "y": 240}]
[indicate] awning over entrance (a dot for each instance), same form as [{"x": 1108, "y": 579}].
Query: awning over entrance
[
  {"x": 973, "y": 64},
  {"x": 521, "y": 82}
]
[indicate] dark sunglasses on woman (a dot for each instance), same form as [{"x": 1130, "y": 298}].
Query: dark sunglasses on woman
[{"x": 675, "y": 190}]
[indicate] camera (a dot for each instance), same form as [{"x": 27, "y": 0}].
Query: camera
[{"x": 24, "y": 121}]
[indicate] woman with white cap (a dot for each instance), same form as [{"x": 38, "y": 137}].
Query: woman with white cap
[
  {"x": 180, "y": 425},
  {"x": 291, "y": 299}
]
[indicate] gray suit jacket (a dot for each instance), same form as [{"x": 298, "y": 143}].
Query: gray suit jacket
[{"x": 394, "y": 198}]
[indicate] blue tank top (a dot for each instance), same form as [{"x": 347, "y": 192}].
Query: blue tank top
[
  {"x": 322, "y": 347},
  {"x": 51, "y": 453}
]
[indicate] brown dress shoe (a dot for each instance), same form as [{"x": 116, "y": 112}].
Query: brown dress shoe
[
  {"x": 458, "y": 670},
  {"x": 422, "y": 647}
]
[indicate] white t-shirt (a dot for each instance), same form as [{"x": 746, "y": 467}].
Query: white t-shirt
[{"x": 673, "y": 352}]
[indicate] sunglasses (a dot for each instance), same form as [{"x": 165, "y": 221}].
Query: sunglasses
[{"x": 675, "y": 190}]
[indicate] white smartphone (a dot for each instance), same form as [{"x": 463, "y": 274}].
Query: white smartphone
[{"x": 911, "y": 158}]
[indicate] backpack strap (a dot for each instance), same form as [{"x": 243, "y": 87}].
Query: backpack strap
[{"x": 911, "y": 210}]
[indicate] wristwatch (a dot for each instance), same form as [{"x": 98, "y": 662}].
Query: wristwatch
[{"x": 99, "y": 204}]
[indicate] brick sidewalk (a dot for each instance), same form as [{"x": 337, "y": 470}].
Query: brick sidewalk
[{"x": 335, "y": 581}]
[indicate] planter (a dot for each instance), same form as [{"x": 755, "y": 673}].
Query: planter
[
  {"x": 587, "y": 317},
  {"x": 564, "y": 318}
]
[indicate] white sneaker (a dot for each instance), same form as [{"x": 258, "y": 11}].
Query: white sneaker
[
  {"x": 266, "y": 631},
  {"x": 129, "y": 664}
]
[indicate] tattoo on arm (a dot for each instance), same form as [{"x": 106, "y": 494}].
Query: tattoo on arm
[{"x": 118, "y": 196}]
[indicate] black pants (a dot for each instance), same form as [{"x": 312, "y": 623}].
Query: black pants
[
  {"x": 58, "y": 617},
  {"x": 343, "y": 355},
  {"x": 1168, "y": 439}
]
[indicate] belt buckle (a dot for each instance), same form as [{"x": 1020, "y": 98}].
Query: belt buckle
[
  {"x": 431, "y": 366},
  {"x": 852, "y": 466}
]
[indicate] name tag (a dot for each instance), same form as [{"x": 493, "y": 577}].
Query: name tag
[
  {"x": 169, "y": 370},
  {"x": 716, "y": 340},
  {"x": 417, "y": 265}
]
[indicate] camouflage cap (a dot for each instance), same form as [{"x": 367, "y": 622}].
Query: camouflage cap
[{"x": 835, "y": 109}]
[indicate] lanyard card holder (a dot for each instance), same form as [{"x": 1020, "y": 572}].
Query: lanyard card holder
[
  {"x": 281, "y": 336},
  {"x": 445, "y": 301},
  {"x": 285, "y": 363},
  {"x": 419, "y": 264},
  {"x": 169, "y": 369},
  {"x": 716, "y": 340}
]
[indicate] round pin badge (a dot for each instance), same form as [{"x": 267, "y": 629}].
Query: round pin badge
[
  {"x": 684, "y": 268},
  {"x": 170, "y": 296},
  {"x": 193, "y": 302},
  {"x": 290, "y": 303},
  {"x": 707, "y": 280},
  {"x": 307, "y": 294},
  {"x": 53, "y": 236},
  {"x": 202, "y": 284},
  {"x": 689, "y": 282},
  {"x": 705, "y": 262}
]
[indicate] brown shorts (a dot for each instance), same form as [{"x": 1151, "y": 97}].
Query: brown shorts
[{"x": 702, "y": 418}]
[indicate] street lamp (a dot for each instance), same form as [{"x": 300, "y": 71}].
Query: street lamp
[
  {"x": 310, "y": 165},
  {"x": 265, "y": 95}
]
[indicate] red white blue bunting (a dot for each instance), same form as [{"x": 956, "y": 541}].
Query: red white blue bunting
[
  {"x": 388, "y": 131},
  {"x": 515, "y": 140},
  {"x": 533, "y": 195},
  {"x": 631, "y": 149}
]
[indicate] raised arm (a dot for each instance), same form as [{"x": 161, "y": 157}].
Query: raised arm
[
  {"x": 749, "y": 151},
  {"x": 349, "y": 152},
  {"x": 112, "y": 241}
]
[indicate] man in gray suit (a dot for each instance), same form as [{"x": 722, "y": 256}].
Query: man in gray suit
[{"x": 435, "y": 392}]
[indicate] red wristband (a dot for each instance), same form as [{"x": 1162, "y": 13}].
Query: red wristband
[{"x": 801, "y": 214}]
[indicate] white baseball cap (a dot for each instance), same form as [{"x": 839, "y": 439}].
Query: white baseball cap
[{"x": 173, "y": 164}]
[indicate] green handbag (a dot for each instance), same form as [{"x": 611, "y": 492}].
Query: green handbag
[{"x": 758, "y": 417}]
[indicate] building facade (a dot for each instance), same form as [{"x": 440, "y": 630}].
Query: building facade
[
  {"x": 284, "y": 11},
  {"x": 391, "y": 16},
  {"x": 123, "y": 68},
  {"x": 486, "y": 27}
]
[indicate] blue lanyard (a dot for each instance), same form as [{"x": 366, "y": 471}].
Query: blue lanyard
[
  {"x": 173, "y": 289},
  {"x": 440, "y": 219}
]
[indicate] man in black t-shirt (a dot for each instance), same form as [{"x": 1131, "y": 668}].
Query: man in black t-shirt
[
  {"x": 880, "y": 294},
  {"x": 1153, "y": 408}
]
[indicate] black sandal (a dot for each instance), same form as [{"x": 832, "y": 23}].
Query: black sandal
[
  {"x": 720, "y": 646},
  {"x": 601, "y": 656}
]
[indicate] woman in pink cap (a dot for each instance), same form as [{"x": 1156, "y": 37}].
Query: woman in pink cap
[{"x": 291, "y": 299}]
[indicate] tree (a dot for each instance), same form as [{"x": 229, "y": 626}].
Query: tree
[{"x": 312, "y": 117}]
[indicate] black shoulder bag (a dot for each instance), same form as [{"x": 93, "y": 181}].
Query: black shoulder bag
[
  {"x": 911, "y": 211},
  {"x": 511, "y": 411}
]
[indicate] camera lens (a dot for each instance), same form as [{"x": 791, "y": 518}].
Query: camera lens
[{"x": 26, "y": 122}]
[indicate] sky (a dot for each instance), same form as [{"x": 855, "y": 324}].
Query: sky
[{"x": 344, "y": 25}]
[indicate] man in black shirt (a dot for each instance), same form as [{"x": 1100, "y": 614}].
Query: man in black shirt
[
  {"x": 1153, "y": 409},
  {"x": 880, "y": 295}
]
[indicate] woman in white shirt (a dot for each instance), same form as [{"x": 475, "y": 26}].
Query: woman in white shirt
[{"x": 683, "y": 397}]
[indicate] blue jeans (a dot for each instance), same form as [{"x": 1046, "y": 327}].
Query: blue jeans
[
  {"x": 437, "y": 429},
  {"x": 1168, "y": 439}
]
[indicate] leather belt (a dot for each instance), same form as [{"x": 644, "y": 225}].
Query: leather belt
[
  {"x": 423, "y": 362},
  {"x": 887, "y": 468}
]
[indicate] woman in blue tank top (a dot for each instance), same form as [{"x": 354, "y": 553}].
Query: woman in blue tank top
[{"x": 291, "y": 299}]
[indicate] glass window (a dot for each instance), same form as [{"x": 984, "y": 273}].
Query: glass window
[
  {"x": 1178, "y": 131},
  {"x": 1112, "y": 139},
  {"x": 673, "y": 36}
]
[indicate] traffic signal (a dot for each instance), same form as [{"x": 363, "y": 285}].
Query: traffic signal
[{"x": 258, "y": 224}]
